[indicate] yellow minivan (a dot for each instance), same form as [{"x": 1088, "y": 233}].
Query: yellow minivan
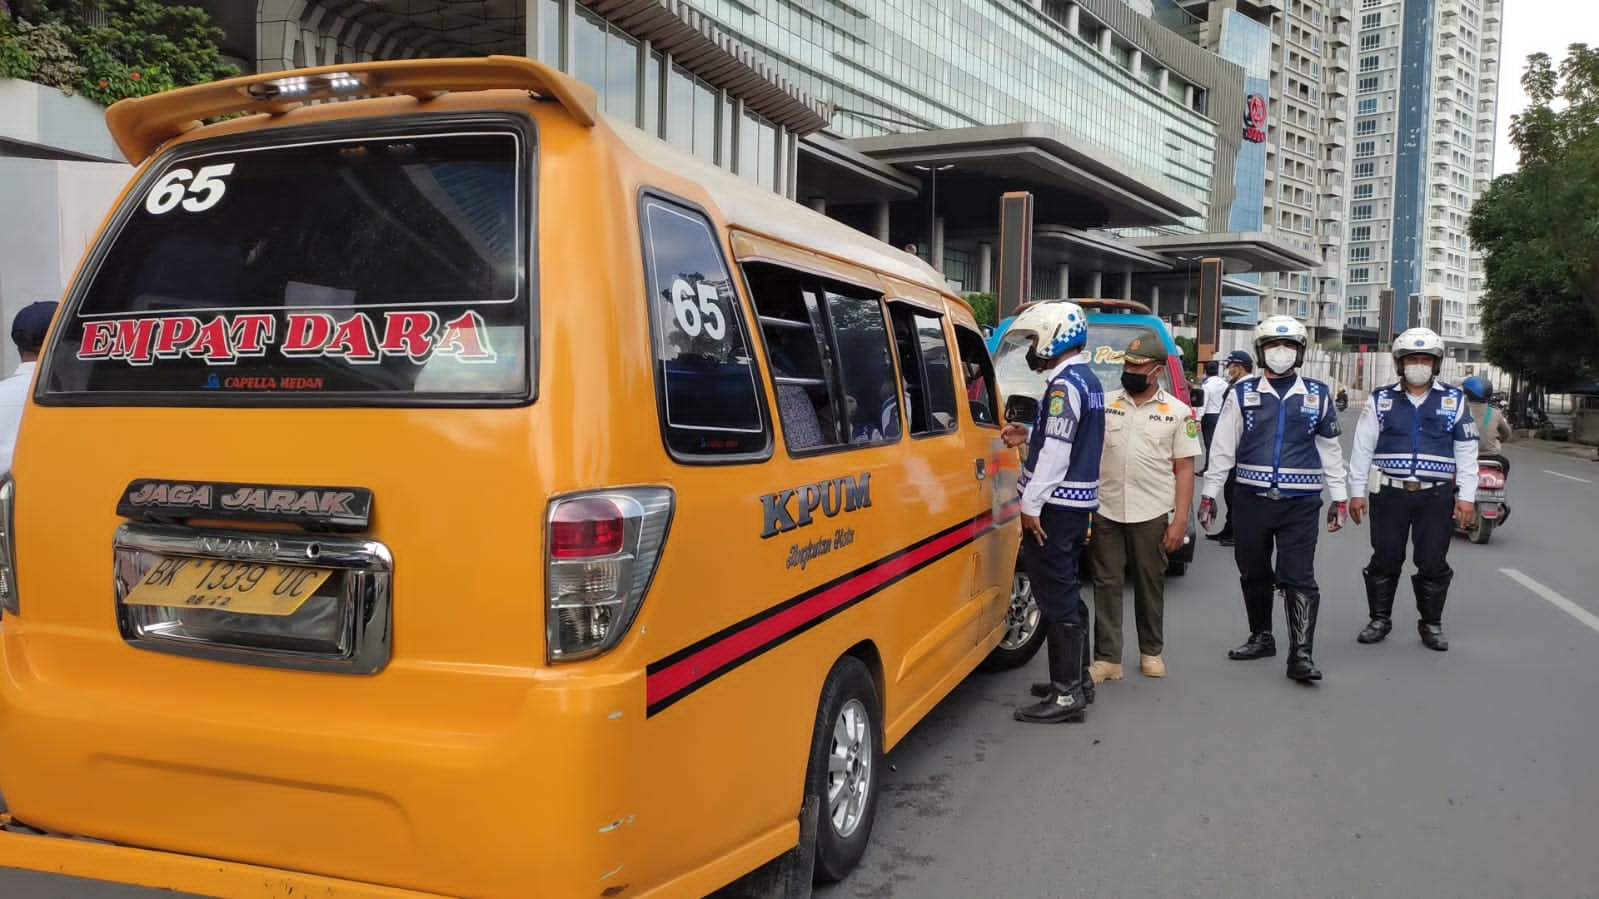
[{"x": 432, "y": 488}]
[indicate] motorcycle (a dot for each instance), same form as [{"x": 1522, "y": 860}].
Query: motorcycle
[
  {"x": 1342, "y": 401},
  {"x": 1492, "y": 510}
]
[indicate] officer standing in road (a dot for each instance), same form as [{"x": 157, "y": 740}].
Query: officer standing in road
[
  {"x": 1421, "y": 436},
  {"x": 1059, "y": 488},
  {"x": 1239, "y": 364},
  {"x": 1281, "y": 434},
  {"x": 1215, "y": 388}
]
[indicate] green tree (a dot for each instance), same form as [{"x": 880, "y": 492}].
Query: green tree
[
  {"x": 985, "y": 308},
  {"x": 1538, "y": 228}
]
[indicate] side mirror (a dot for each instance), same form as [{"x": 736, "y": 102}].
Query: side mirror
[{"x": 1022, "y": 409}]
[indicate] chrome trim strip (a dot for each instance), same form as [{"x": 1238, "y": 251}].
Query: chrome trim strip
[{"x": 365, "y": 600}]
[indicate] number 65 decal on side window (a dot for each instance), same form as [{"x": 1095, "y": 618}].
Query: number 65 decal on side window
[
  {"x": 692, "y": 316},
  {"x": 197, "y": 195}
]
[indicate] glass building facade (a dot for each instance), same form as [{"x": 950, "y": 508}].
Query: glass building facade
[
  {"x": 1248, "y": 43},
  {"x": 642, "y": 85},
  {"x": 892, "y": 66}
]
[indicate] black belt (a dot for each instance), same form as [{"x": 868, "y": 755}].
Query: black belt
[{"x": 1409, "y": 486}]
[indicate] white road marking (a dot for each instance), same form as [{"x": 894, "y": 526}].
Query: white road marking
[
  {"x": 1555, "y": 599},
  {"x": 1569, "y": 477}
]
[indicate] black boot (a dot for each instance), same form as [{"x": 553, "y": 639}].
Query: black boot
[
  {"x": 1042, "y": 689},
  {"x": 1430, "y": 596},
  {"x": 1380, "y": 589},
  {"x": 1066, "y": 701},
  {"x": 1257, "y": 605},
  {"x": 1301, "y": 609},
  {"x": 1087, "y": 680}
]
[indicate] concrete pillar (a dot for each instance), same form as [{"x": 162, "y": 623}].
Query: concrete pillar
[
  {"x": 1135, "y": 64},
  {"x": 1154, "y": 299},
  {"x": 1188, "y": 96},
  {"x": 277, "y": 28},
  {"x": 937, "y": 257},
  {"x": 1064, "y": 271},
  {"x": 1096, "y": 285},
  {"x": 1127, "y": 285},
  {"x": 1073, "y": 17},
  {"x": 1165, "y": 80},
  {"x": 880, "y": 221},
  {"x": 1104, "y": 41},
  {"x": 819, "y": 204},
  {"x": 985, "y": 267}
]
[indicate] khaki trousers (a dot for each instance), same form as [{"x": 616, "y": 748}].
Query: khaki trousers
[{"x": 1114, "y": 544}]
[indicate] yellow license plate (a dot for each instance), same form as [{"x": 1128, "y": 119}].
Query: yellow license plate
[{"x": 253, "y": 588}]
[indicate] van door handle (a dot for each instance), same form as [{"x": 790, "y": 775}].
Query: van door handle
[{"x": 982, "y": 469}]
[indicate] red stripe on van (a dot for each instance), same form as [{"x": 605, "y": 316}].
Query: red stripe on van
[{"x": 672, "y": 682}]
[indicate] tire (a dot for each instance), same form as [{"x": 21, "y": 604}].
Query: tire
[
  {"x": 1482, "y": 533},
  {"x": 1024, "y": 627},
  {"x": 1176, "y": 569},
  {"x": 846, "y": 766}
]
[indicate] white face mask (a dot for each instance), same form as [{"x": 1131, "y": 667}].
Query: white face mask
[
  {"x": 1281, "y": 358},
  {"x": 1417, "y": 375}
]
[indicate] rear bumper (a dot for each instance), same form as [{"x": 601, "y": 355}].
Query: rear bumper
[{"x": 181, "y": 873}]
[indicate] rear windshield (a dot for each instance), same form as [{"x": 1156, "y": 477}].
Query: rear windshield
[{"x": 338, "y": 270}]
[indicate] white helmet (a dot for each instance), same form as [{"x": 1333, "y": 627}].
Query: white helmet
[
  {"x": 1419, "y": 340},
  {"x": 1057, "y": 327},
  {"x": 1281, "y": 327}
]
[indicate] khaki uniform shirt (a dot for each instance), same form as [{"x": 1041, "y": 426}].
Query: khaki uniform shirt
[{"x": 1136, "y": 481}]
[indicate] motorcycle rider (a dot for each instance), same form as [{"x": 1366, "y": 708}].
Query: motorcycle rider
[
  {"x": 1492, "y": 427},
  {"x": 1421, "y": 435},
  {"x": 1280, "y": 432},
  {"x": 1059, "y": 488}
]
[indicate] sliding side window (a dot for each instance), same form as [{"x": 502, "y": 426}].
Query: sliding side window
[
  {"x": 828, "y": 351},
  {"x": 924, "y": 360}
]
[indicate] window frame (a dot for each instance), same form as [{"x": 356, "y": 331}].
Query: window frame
[
  {"x": 645, "y": 195},
  {"x": 526, "y": 130},
  {"x": 987, "y": 362},
  {"x": 921, "y": 309},
  {"x": 820, "y": 287}
]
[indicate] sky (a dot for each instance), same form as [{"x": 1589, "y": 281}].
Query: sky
[{"x": 1532, "y": 26}]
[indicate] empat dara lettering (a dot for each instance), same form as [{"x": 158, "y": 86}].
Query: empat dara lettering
[{"x": 360, "y": 338}]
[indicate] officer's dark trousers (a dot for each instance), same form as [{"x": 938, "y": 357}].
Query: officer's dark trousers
[
  {"x": 1053, "y": 567},
  {"x": 1425, "y": 518},
  {"x": 1261, "y": 525},
  {"x": 1207, "y": 433}
]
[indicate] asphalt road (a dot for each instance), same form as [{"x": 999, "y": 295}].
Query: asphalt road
[{"x": 1404, "y": 773}]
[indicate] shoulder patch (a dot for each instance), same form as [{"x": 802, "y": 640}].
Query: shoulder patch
[{"x": 1057, "y": 404}]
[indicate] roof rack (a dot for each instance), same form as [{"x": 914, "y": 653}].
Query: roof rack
[{"x": 141, "y": 124}]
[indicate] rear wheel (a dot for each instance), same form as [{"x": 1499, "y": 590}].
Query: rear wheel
[
  {"x": 845, "y": 767},
  {"x": 1482, "y": 531},
  {"x": 1024, "y": 632}
]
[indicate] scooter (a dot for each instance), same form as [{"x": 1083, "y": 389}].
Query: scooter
[{"x": 1492, "y": 510}]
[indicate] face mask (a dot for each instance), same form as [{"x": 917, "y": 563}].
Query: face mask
[
  {"x": 1034, "y": 361},
  {"x": 1134, "y": 383},
  {"x": 1280, "y": 359},
  {"x": 1417, "y": 375}
]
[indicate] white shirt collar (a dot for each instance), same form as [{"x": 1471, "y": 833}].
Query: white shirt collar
[{"x": 25, "y": 368}]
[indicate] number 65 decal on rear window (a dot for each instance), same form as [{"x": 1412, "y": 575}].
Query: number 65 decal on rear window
[{"x": 195, "y": 192}]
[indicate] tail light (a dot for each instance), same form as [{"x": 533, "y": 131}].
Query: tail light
[
  {"x": 8, "y": 547},
  {"x": 603, "y": 548}
]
